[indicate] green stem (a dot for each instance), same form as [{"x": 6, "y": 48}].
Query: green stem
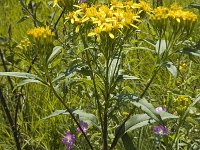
[
  {"x": 68, "y": 110},
  {"x": 131, "y": 113}
]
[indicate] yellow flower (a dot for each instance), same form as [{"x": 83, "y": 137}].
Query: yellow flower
[
  {"x": 97, "y": 31},
  {"x": 144, "y": 6},
  {"x": 175, "y": 7},
  {"x": 40, "y": 33},
  {"x": 24, "y": 44},
  {"x": 160, "y": 13},
  {"x": 105, "y": 19},
  {"x": 182, "y": 66}
]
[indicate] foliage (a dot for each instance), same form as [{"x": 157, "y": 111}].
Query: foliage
[{"x": 100, "y": 74}]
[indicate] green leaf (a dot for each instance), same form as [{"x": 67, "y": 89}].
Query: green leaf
[
  {"x": 22, "y": 19},
  {"x": 127, "y": 142},
  {"x": 56, "y": 113},
  {"x": 55, "y": 51},
  {"x": 26, "y": 81},
  {"x": 191, "y": 51},
  {"x": 126, "y": 77},
  {"x": 161, "y": 46},
  {"x": 20, "y": 75},
  {"x": 194, "y": 5},
  {"x": 149, "y": 109},
  {"x": 70, "y": 72},
  {"x": 141, "y": 120},
  {"x": 171, "y": 68},
  {"x": 86, "y": 117},
  {"x": 143, "y": 104}
]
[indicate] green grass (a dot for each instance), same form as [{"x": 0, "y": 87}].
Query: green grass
[{"x": 38, "y": 101}]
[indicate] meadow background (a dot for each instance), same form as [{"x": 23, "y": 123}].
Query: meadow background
[{"x": 33, "y": 102}]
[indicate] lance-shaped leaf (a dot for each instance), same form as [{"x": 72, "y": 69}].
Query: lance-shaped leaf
[
  {"x": 171, "y": 68},
  {"x": 143, "y": 104},
  {"x": 141, "y": 120},
  {"x": 161, "y": 46},
  {"x": 191, "y": 51},
  {"x": 149, "y": 109},
  {"x": 20, "y": 75},
  {"x": 27, "y": 81},
  {"x": 86, "y": 117},
  {"x": 55, "y": 51}
]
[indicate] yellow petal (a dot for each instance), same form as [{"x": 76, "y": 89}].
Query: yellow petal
[
  {"x": 178, "y": 20},
  {"x": 91, "y": 34},
  {"x": 55, "y": 2},
  {"x": 111, "y": 35},
  {"x": 77, "y": 29}
]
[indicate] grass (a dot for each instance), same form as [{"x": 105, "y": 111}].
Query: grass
[{"x": 38, "y": 101}]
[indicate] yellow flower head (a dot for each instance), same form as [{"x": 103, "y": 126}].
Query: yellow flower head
[
  {"x": 106, "y": 19},
  {"x": 144, "y": 6},
  {"x": 182, "y": 66},
  {"x": 160, "y": 13},
  {"x": 40, "y": 33},
  {"x": 24, "y": 44}
]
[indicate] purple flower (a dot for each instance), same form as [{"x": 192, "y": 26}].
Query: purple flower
[
  {"x": 83, "y": 125},
  {"x": 81, "y": 1},
  {"x": 160, "y": 130},
  {"x": 69, "y": 139},
  {"x": 160, "y": 109}
]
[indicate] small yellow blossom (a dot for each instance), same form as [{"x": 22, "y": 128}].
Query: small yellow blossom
[
  {"x": 105, "y": 19},
  {"x": 174, "y": 18},
  {"x": 24, "y": 44},
  {"x": 182, "y": 66},
  {"x": 144, "y": 6},
  {"x": 40, "y": 33}
]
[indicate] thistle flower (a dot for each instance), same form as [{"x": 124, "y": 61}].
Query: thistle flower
[
  {"x": 69, "y": 139},
  {"x": 160, "y": 130},
  {"x": 83, "y": 125}
]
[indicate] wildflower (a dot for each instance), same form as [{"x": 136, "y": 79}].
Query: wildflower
[
  {"x": 160, "y": 109},
  {"x": 160, "y": 130},
  {"x": 40, "y": 33},
  {"x": 69, "y": 140},
  {"x": 24, "y": 44},
  {"x": 83, "y": 125},
  {"x": 104, "y": 19},
  {"x": 182, "y": 66},
  {"x": 144, "y": 6}
]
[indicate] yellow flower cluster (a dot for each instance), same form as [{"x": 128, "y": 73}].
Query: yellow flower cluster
[
  {"x": 107, "y": 19},
  {"x": 181, "y": 103},
  {"x": 175, "y": 16},
  {"x": 177, "y": 13},
  {"x": 40, "y": 33},
  {"x": 24, "y": 44}
]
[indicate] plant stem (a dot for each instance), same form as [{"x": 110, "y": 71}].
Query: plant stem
[
  {"x": 70, "y": 112},
  {"x": 10, "y": 120},
  {"x": 13, "y": 124},
  {"x": 117, "y": 136}
]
